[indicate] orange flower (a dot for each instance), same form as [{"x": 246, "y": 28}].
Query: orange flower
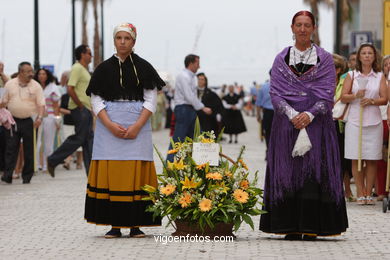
[
  {"x": 185, "y": 200},
  {"x": 172, "y": 151},
  {"x": 243, "y": 164},
  {"x": 205, "y": 205},
  {"x": 214, "y": 176},
  {"x": 228, "y": 174},
  {"x": 168, "y": 190},
  {"x": 241, "y": 196},
  {"x": 244, "y": 184},
  {"x": 201, "y": 166}
]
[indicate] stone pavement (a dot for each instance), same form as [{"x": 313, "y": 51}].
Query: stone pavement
[{"x": 44, "y": 220}]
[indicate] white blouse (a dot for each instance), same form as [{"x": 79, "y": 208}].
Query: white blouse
[
  {"x": 150, "y": 101},
  {"x": 308, "y": 56}
]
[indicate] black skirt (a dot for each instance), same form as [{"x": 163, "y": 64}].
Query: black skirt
[
  {"x": 309, "y": 210},
  {"x": 234, "y": 122}
]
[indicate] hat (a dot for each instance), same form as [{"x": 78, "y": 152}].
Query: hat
[{"x": 126, "y": 27}]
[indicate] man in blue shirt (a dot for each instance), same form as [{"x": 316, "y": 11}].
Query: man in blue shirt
[{"x": 265, "y": 110}]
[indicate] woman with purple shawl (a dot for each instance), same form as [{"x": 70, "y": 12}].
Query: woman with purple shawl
[{"x": 303, "y": 192}]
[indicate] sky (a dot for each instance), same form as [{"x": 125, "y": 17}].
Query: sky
[{"x": 237, "y": 41}]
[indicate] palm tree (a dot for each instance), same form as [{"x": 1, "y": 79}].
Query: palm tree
[
  {"x": 84, "y": 18},
  {"x": 346, "y": 14},
  {"x": 84, "y": 32},
  {"x": 314, "y": 9},
  {"x": 96, "y": 38}
]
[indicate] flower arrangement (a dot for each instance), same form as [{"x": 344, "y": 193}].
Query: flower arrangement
[{"x": 204, "y": 194}]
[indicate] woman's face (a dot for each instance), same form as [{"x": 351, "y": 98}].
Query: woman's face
[
  {"x": 201, "y": 81},
  {"x": 42, "y": 77},
  {"x": 124, "y": 43},
  {"x": 367, "y": 56},
  {"x": 386, "y": 66},
  {"x": 302, "y": 28}
]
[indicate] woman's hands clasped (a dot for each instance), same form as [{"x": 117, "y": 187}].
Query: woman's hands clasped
[
  {"x": 117, "y": 130},
  {"x": 121, "y": 132},
  {"x": 301, "y": 120}
]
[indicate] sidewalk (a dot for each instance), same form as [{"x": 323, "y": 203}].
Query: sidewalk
[{"x": 44, "y": 220}]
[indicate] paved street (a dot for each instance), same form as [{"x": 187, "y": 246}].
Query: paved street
[{"x": 44, "y": 220}]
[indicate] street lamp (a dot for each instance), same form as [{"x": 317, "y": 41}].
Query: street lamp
[
  {"x": 73, "y": 31},
  {"x": 36, "y": 36},
  {"x": 339, "y": 26}
]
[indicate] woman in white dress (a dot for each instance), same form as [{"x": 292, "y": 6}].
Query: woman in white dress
[{"x": 370, "y": 98}]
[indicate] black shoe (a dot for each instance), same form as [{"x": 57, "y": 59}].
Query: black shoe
[
  {"x": 113, "y": 233},
  {"x": 26, "y": 181},
  {"x": 50, "y": 169},
  {"x": 235, "y": 141},
  {"x": 6, "y": 180},
  {"x": 309, "y": 238},
  {"x": 230, "y": 141},
  {"x": 136, "y": 232},
  {"x": 293, "y": 237}
]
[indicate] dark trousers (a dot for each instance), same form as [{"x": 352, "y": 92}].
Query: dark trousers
[
  {"x": 268, "y": 116},
  {"x": 185, "y": 116},
  {"x": 23, "y": 129},
  {"x": 83, "y": 137}
]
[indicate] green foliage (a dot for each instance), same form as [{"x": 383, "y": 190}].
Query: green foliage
[{"x": 204, "y": 194}]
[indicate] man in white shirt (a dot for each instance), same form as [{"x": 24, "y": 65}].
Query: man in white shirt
[
  {"x": 186, "y": 101},
  {"x": 24, "y": 98}
]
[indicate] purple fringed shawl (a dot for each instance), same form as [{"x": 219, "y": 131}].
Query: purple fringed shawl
[{"x": 312, "y": 92}]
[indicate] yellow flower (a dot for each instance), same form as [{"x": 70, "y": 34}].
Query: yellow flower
[
  {"x": 223, "y": 187},
  {"x": 244, "y": 184},
  {"x": 241, "y": 196},
  {"x": 228, "y": 174},
  {"x": 179, "y": 165},
  {"x": 243, "y": 164},
  {"x": 149, "y": 189},
  {"x": 185, "y": 200},
  {"x": 189, "y": 184},
  {"x": 214, "y": 176},
  {"x": 176, "y": 165},
  {"x": 168, "y": 190},
  {"x": 172, "y": 151},
  {"x": 205, "y": 204},
  {"x": 170, "y": 165},
  {"x": 206, "y": 140},
  {"x": 178, "y": 146}
]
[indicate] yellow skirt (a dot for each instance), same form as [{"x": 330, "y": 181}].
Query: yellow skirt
[{"x": 114, "y": 194}]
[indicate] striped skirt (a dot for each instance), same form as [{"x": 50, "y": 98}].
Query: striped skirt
[{"x": 114, "y": 194}]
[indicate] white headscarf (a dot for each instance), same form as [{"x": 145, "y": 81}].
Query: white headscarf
[{"x": 126, "y": 27}]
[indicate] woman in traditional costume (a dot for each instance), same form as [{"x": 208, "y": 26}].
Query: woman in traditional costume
[
  {"x": 303, "y": 192},
  {"x": 123, "y": 92},
  {"x": 209, "y": 99},
  {"x": 232, "y": 119},
  {"x": 369, "y": 100}
]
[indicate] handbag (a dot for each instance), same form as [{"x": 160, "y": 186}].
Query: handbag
[{"x": 340, "y": 110}]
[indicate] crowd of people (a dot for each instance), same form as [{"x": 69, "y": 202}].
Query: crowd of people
[
  {"x": 312, "y": 155},
  {"x": 37, "y": 121}
]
